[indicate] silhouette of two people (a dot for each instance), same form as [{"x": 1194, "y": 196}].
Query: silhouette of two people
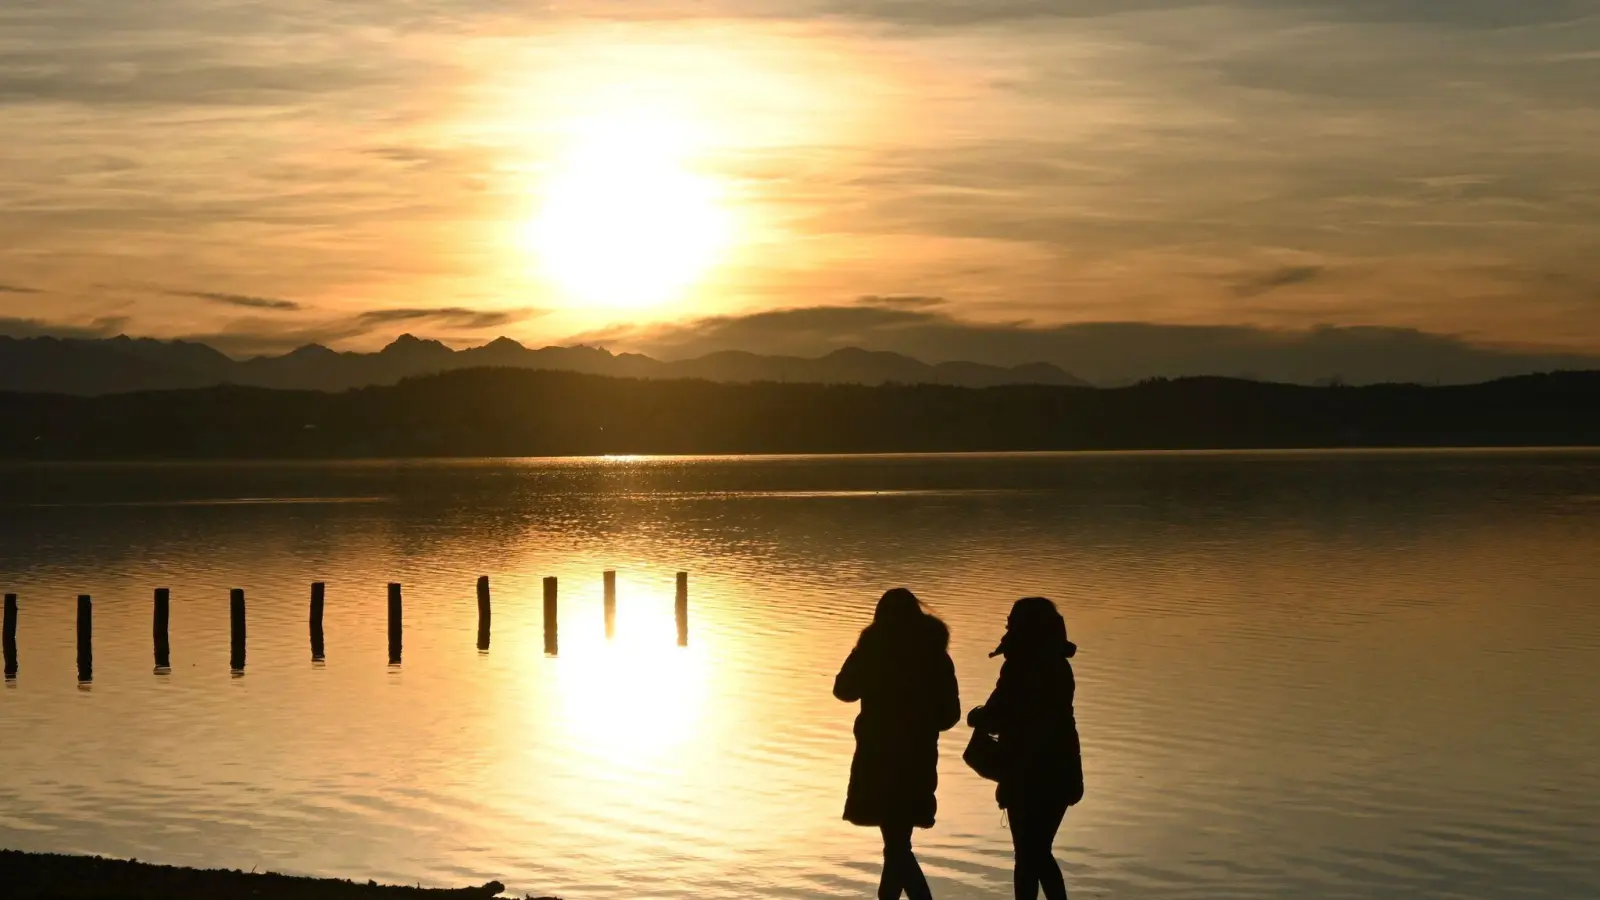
[{"x": 901, "y": 672}]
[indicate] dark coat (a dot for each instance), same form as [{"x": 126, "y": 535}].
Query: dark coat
[
  {"x": 908, "y": 695},
  {"x": 1031, "y": 713}
]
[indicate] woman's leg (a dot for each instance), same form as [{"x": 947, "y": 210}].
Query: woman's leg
[
  {"x": 1055, "y": 887},
  {"x": 896, "y": 843},
  {"x": 901, "y": 872},
  {"x": 1025, "y": 876},
  {"x": 1033, "y": 834}
]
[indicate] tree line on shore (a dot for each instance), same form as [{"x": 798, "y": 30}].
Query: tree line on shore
[{"x": 510, "y": 412}]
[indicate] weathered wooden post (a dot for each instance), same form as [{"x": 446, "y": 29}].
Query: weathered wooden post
[
  {"x": 484, "y": 613},
  {"x": 611, "y": 603},
  {"x": 158, "y": 629},
  {"x": 85, "y": 639},
  {"x": 394, "y": 624},
  {"x": 552, "y": 641},
  {"x": 318, "y": 593},
  {"x": 682, "y": 609},
  {"x": 236, "y": 623},
  {"x": 8, "y": 636}
]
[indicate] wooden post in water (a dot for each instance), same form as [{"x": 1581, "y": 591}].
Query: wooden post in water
[
  {"x": 8, "y": 636},
  {"x": 484, "y": 613},
  {"x": 236, "y": 622},
  {"x": 681, "y": 608},
  {"x": 394, "y": 624},
  {"x": 158, "y": 629},
  {"x": 318, "y": 593},
  {"x": 552, "y": 642},
  {"x": 611, "y": 603},
  {"x": 85, "y": 639}
]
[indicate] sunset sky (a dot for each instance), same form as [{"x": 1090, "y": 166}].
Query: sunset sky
[{"x": 262, "y": 175}]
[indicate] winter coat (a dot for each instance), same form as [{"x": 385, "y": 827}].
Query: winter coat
[
  {"x": 908, "y": 695},
  {"x": 1031, "y": 713}
]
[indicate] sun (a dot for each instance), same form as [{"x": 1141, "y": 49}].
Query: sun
[{"x": 623, "y": 221}]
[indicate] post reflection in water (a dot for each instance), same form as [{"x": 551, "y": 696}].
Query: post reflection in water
[{"x": 1310, "y": 675}]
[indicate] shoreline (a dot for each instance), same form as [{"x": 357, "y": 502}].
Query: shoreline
[
  {"x": 52, "y": 876},
  {"x": 444, "y": 460}
]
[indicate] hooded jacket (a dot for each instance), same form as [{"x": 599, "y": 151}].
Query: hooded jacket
[
  {"x": 1031, "y": 713},
  {"x": 907, "y": 687}
]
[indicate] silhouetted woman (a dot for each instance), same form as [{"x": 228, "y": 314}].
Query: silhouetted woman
[
  {"x": 901, "y": 672},
  {"x": 1042, "y": 765}
]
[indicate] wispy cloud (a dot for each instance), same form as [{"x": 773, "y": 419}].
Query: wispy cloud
[
  {"x": 449, "y": 316},
  {"x": 18, "y": 289},
  {"x": 103, "y": 327},
  {"x": 264, "y": 336},
  {"x": 902, "y": 301},
  {"x": 1286, "y": 276},
  {"x": 1452, "y": 13},
  {"x": 249, "y": 337},
  {"x": 1104, "y": 352},
  {"x": 243, "y": 300}
]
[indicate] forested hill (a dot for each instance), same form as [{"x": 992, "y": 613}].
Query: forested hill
[{"x": 507, "y": 412}]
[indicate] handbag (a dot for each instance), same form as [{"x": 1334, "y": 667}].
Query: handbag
[{"x": 983, "y": 755}]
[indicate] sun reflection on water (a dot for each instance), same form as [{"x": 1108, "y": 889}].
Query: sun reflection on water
[{"x": 636, "y": 699}]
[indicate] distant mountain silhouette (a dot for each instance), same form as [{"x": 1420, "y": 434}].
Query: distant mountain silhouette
[
  {"x": 122, "y": 364},
  {"x": 507, "y": 412}
]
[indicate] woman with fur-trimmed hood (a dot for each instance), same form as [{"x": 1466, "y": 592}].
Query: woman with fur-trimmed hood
[{"x": 901, "y": 672}]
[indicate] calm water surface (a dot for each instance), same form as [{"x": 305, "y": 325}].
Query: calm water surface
[{"x": 1302, "y": 675}]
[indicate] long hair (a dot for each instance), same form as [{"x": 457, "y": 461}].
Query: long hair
[
  {"x": 902, "y": 620},
  {"x": 1035, "y": 629}
]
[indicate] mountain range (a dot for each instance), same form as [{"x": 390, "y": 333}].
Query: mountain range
[{"x": 122, "y": 364}]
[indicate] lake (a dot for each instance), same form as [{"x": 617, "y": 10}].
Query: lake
[{"x": 1310, "y": 675}]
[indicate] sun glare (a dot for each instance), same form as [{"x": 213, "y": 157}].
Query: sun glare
[
  {"x": 623, "y": 220},
  {"x": 637, "y": 698}
]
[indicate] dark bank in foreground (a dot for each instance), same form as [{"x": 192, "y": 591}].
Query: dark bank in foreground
[
  {"x": 39, "y": 876},
  {"x": 520, "y": 413}
]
